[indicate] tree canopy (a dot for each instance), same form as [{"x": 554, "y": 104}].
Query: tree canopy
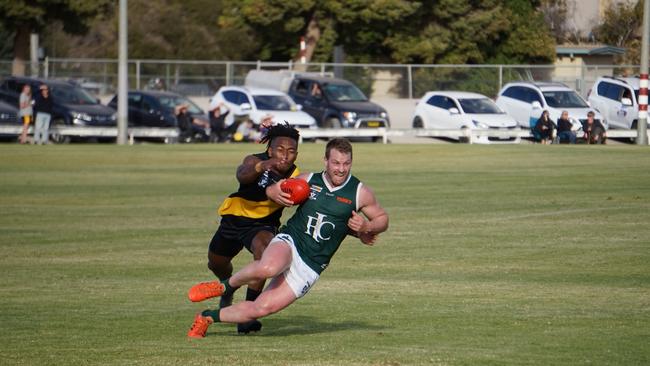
[
  {"x": 428, "y": 31},
  {"x": 35, "y": 16},
  {"x": 444, "y": 31}
]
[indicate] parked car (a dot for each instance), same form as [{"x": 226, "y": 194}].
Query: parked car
[
  {"x": 157, "y": 109},
  {"x": 617, "y": 100},
  {"x": 463, "y": 110},
  {"x": 9, "y": 116},
  {"x": 525, "y": 101},
  {"x": 258, "y": 102},
  {"x": 333, "y": 102},
  {"x": 73, "y": 106}
]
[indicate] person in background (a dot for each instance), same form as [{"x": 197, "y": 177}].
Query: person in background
[
  {"x": 545, "y": 128},
  {"x": 565, "y": 129},
  {"x": 25, "y": 112},
  {"x": 595, "y": 132},
  {"x": 190, "y": 126},
  {"x": 247, "y": 132},
  {"x": 43, "y": 106},
  {"x": 217, "y": 122}
]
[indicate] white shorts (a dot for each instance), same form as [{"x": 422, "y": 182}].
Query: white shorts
[{"x": 300, "y": 277}]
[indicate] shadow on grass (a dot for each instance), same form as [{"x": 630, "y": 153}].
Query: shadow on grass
[{"x": 297, "y": 325}]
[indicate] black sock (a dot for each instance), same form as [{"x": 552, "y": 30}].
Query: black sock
[
  {"x": 214, "y": 314},
  {"x": 229, "y": 290},
  {"x": 251, "y": 294}
]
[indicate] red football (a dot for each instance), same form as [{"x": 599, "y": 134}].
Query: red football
[{"x": 297, "y": 188}]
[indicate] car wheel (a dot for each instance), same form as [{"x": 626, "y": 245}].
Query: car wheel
[
  {"x": 633, "y": 128},
  {"x": 464, "y": 139},
  {"x": 57, "y": 138},
  {"x": 417, "y": 122},
  {"x": 332, "y": 123}
]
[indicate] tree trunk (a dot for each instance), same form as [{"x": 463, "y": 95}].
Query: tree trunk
[
  {"x": 21, "y": 51},
  {"x": 311, "y": 39}
]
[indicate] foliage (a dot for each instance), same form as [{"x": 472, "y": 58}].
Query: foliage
[
  {"x": 496, "y": 255},
  {"x": 38, "y": 15},
  {"x": 359, "y": 25},
  {"x": 620, "y": 27}
]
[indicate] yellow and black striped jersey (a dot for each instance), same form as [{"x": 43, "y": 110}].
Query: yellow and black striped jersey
[{"x": 250, "y": 202}]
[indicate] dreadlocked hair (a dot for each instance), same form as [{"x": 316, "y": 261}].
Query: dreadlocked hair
[{"x": 280, "y": 130}]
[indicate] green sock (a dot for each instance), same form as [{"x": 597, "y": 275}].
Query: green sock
[{"x": 214, "y": 314}]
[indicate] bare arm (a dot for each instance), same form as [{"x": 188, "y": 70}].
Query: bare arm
[
  {"x": 274, "y": 193},
  {"x": 375, "y": 221},
  {"x": 250, "y": 169}
]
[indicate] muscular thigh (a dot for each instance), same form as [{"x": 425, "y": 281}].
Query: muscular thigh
[{"x": 277, "y": 295}]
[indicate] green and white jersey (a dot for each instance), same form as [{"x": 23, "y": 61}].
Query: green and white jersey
[{"x": 321, "y": 223}]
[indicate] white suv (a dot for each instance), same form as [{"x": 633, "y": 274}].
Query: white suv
[
  {"x": 258, "y": 102},
  {"x": 617, "y": 99},
  {"x": 525, "y": 101}
]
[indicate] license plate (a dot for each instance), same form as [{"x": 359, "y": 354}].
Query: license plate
[{"x": 374, "y": 124}]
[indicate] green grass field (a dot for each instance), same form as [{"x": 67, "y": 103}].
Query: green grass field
[{"x": 496, "y": 255}]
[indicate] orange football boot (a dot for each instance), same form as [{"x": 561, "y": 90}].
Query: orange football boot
[
  {"x": 200, "y": 326},
  {"x": 206, "y": 290}
]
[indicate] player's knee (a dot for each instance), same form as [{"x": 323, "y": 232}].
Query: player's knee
[
  {"x": 267, "y": 270},
  {"x": 263, "y": 309}
]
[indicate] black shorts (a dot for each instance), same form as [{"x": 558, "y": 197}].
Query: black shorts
[{"x": 234, "y": 234}]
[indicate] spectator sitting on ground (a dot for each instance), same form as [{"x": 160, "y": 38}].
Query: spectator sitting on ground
[
  {"x": 188, "y": 124},
  {"x": 545, "y": 128},
  {"x": 595, "y": 132},
  {"x": 218, "y": 123},
  {"x": 247, "y": 132},
  {"x": 565, "y": 129}
]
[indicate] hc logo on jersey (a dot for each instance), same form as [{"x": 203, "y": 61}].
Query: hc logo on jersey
[{"x": 315, "y": 226}]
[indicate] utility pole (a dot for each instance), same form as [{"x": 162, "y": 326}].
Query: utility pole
[
  {"x": 641, "y": 126},
  {"x": 122, "y": 77}
]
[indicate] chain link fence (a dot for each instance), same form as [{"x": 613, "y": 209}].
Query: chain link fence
[{"x": 203, "y": 78}]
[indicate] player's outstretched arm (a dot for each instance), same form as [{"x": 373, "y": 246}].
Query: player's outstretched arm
[{"x": 250, "y": 169}]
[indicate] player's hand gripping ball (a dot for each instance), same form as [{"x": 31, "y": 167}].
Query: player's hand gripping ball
[{"x": 297, "y": 188}]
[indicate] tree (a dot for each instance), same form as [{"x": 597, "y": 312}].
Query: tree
[
  {"x": 359, "y": 25},
  {"x": 555, "y": 15},
  {"x": 35, "y": 16},
  {"x": 174, "y": 29},
  {"x": 620, "y": 26},
  {"x": 443, "y": 31}
]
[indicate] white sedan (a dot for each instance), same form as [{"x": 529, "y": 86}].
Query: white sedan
[
  {"x": 258, "y": 102},
  {"x": 463, "y": 110}
]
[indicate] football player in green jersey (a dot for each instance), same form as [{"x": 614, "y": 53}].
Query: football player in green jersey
[{"x": 339, "y": 204}]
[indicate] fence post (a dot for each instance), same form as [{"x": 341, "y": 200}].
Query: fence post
[
  {"x": 500, "y": 77},
  {"x": 167, "y": 76},
  {"x": 228, "y": 71},
  {"x": 137, "y": 74},
  {"x": 409, "y": 70},
  {"x": 46, "y": 71}
]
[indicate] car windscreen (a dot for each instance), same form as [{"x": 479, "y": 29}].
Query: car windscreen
[
  {"x": 564, "y": 99},
  {"x": 171, "y": 102},
  {"x": 71, "y": 95},
  {"x": 344, "y": 93},
  {"x": 272, "y": 102},
  {"x": 479, "y": 106}
]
